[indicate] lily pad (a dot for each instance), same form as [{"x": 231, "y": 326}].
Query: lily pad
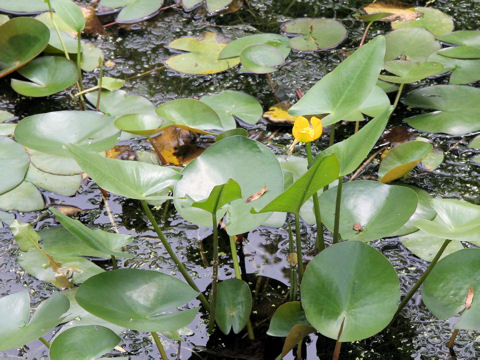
[
  {"x": 119, "y": 102},
  {"x": 21, "y": 40},
  {"x": 134, "y": 10},
  {"x": 285, "y": 318},
  {"x": 16, "y": 330},
  {"x": 132, "y": 179},
  {"x": 343, "y": 90},
  {"x": 138, "y": 299},
  {"x": 230, "y": 104},
  {"x": 402, "y": 159},
  {"x": 70, "y": 13},
  {"x": 433, "y": 159},
  {"x": 446, "y": 288},
  {"x": 369, "y": 210},
  {"x": 456, "y": 109},
  {"x": 202, "y": 55},
  {"x": 47, "y": 74},
  {"x": 426, "y": 246},
  {"x": 14, "y": 164},
  {"x": 464, "y": 71},
  {"x": 261, "y": 59},
  {"x": 71, "y": 343},
  {"x": 315, "y": 34},
  {"x": 352, "y": 284},
  {"x": 233, "y": 305},
  {"x": 59, "y": 184},
  {"x": 212, "y": 5},
  {"x": 416, "y": 44},
  {"x": 237, "y": 46},
  {"x": 410, "y": 71},
  {"x": 433, "y": 20},
  {"x": 49, "y": 132},
  {"x": 54, "y": 164},
  {"x": 461, "y": 52},
  {"x": 475, "y": 143},
  {"x": 24, "y": 197},
  {"x": 234, "y": 157},
  {"x": 462, "y": 37}
]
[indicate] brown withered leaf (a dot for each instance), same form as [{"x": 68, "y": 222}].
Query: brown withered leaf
[
  {"x": 398, "y": 9},
  {"x": 397, "y": 135},
  {"x": 357, "y": 227},
  {"x": 68, "y": 210},
  {"x": 296, "y": 334},
  {"x": 93, "y": 26},
  {"x": 123, "y": 152},
  {"x": 174, "y": 146},
  {"x": 278, "y": 114},
  {"x": 469, "y": 298},
  {"x": 257, "y": 195}
]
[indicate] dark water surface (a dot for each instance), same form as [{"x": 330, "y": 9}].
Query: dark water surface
[{"x": 140, "y": 47}]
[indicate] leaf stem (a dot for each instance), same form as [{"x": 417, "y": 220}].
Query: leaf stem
[
  {"x": 213, "y": 290},
  {"x": 233, "y": 249},
  {"x": 337, "y": 210},
  {"x": 159, "y": 345},
  {"x": 319, "y": 241},
  {"x": 44, "y": 341},
  {"x": 338, "y": 344},
  {"x": 79, "y": 68},
  {"x": 172, "y": 254},
  {"x": 397, "y": 98},
  {"x": 364, "y": 36},
  {"x": 299, "y": 248},
  {"x": 293, "y": 273},
  {"x": 420, "y": 281},
  {"x": 100, "y": 80}
]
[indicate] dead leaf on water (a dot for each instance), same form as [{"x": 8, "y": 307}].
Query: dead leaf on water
[
  {"x": 68, "y": 210},
  {"x": 399, "y": 10},
  {"x": 123, "y": 152},
  {"x": 278, "y": 114}
]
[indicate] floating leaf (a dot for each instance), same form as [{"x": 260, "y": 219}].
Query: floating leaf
[
  {"x": 54, "y": 164},
  {"x": 71, "y": 343},
  {"x": 374, "y": 105},
  {"x": 236, "y": 47},
  {"x": 316, "y": 34},
  {"x": 23, "y": 7},
  {"x": 350, "y": 283},
  {"x": 464, "y": 71},
  {"x": 456, "y": 109},
  {"x": 138, "y": 299},
  {"x": 202, "y": 55},
  {"x": 461, "y": 52},
  {"x": 433, "y": 159},
  {"x": 3, "y": 19},
  {"x": 379, "y": 209},
  {"x": 59, "y": 184},
  {"x": 90, "y": 56},
  {"x": 410, "y": 71},
  {"x": 220, "y": 196},
  {"x": 402, "y": 159},
  {"x": 132, "y": 179},
  {"x": 119, "y": 102},
  {"x": 475, "y": 143},
  {"x": 278, "y": 113},
  {"x": 416, "y": 44},
  {"x": 14, "y": 164},
  {"x": 237, "y": 158},
  {"x": 285, "y": 318},
  {"x": 344, "y": 90},
  {"x": 230, "y": 104},
  {"x": 21, "y": 40},
  {"x": 46, "y": 18},
  {"x": 134, "y": 10},
  {"x": 70, "y": 13},
  {"x": 261, "y": 59},
  {"x": 398, "y": 10},
  {"x": 49, "y": 132},
  {"x": 25, "y": 236},
  {"x": 447, "y": 287},
  {"x": 212, "y": 5},
  {"x": 16, "y": 330},
  {"x": 426, "y": 246},
  {"x": 24, "y": 197},
  {"x": 233, "y": 305},
  {"x": 433, "y": 20},
  {"x": 462, "y": 37}
]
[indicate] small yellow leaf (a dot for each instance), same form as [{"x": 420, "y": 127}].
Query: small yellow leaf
[{"x": 398, "y": 9}]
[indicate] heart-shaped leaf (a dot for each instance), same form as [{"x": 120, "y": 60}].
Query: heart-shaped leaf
[
  {"x": 433, "y": 20},
  {"x": 134, "y": 10},
  {"x": 14, "y": 163},
  {"x": 24, "y": 197},
  {"x": 16, "y": 330},
  {"x": 59, "y": 184},
  {"x": 138, "y": 299},
  {"x": 402, "y": 159},
  {"x": 426, "y": 246},
  {"x": 71, "y": 343},
  {"x": 378, "y": 209},
  {"x": 344, "y": 90},
  {"x": 285, "y": 318},
  {"x": 261, "y": 59},
  {"x": 132, "y": 179},
  {"x": 414, "y": 43},
  {"x": 236, "y": 47},
  {"x": 445, "y": 289},
  {"x": 353, "y": 284},
  {"x": 21, "y": 40},
  {"x": 233, "y": 305},
  {"x": 410, "y": 71},
  {"x": 315, "y": 34},
  {"x": 49, "y": 132},
  {"x": 456, "y": 108}
]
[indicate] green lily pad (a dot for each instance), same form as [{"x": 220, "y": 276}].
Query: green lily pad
[
  {"x": 55, "y": 45},
  {"x": 433, "y": 20},
  {"x": 464, "y": 71},
  {"x": 54, "y": 164},
  {"x": 70, "y": 13},
  {"x": 433, "y": 159},
  {"x": 475, "y": 143},
  {"x": 426, "y": 246},
  {"x": 212, "y": 5},
  {"x": 59, "y": 184},
  {"x": 202, "y": 55},
  {"x": 352, "y": 284},
  {"x": 119, "y": 102},
  {"x": 46, "y": 18},
  {"x": 230, "y": 104},
  {"x": 3, "y": 19},
  {"x": 236, "y": 47},
  {"x": 132, "y": 179},
  {"x": 138, "y": 299},
  {"x": 16, "y": 330},
  {"x": 237, "y": 158},
  {"x": 285, "y": 318},
  {"x": 416, "y": 44},
  {"x": 21, "y": 40},
  {"x": 343, "y": 90},
  {"x": 14, "y": 163},
  {"x": 6, "y": 218},
  {"x": 445, "y": 289},
  {"x": 24, "y": 197},
  {"x": 233, "y": 305},
  {"x": 456, "y": 108},
  {"x": 462, "y": 37},
  {"x": 316, "y": 34},
  {"x": 402, "y": 159},
  {"x": 377, "y": 208},
  {"x": 23, "y": 7},
  {"x": 49, "y": 132},
  {"x": 261, "y": 59},
  {"x": 461, "y": 52},
  {"x": 71, "y": 343},
  {"x": 5, "y": 115},
  {"x": 142, "y": 124},
  {"x": 90, "y": 56},
  {"x": 410, "y": 71}
]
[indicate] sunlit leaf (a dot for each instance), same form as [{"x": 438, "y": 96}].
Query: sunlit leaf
[
  {"x": 410, "y": 71},
  {"x": 70, "y": 13},
  {"x": 285, "y": 318},
  {"x": 399, "y": 10},
  {"x": 414, "y": 44},
  {"x": 426, "y": 246},
  {"x": 433, "y": 20}
]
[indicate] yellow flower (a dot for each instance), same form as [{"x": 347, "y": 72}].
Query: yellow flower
[{"x": 305, "y": 131}]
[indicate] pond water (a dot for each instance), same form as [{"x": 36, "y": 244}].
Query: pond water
[{"x": 141, "y": 47}]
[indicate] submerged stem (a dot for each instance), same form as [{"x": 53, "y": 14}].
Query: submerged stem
[
  {"x": 159, "y": 345},
  {"x": 213, "y": 291},
  {"x": 172, "y": 254},
  {"x": 299, "y": 248},
  {"x": 337, "y": 210},
  {"x": 415, "y": 287}
]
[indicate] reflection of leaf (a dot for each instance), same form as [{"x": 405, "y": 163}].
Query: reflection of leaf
[
  {"x": 201, "y": 55},
  {"x": 433, "y": 20},
  {"x": 398, "y": 9}
]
